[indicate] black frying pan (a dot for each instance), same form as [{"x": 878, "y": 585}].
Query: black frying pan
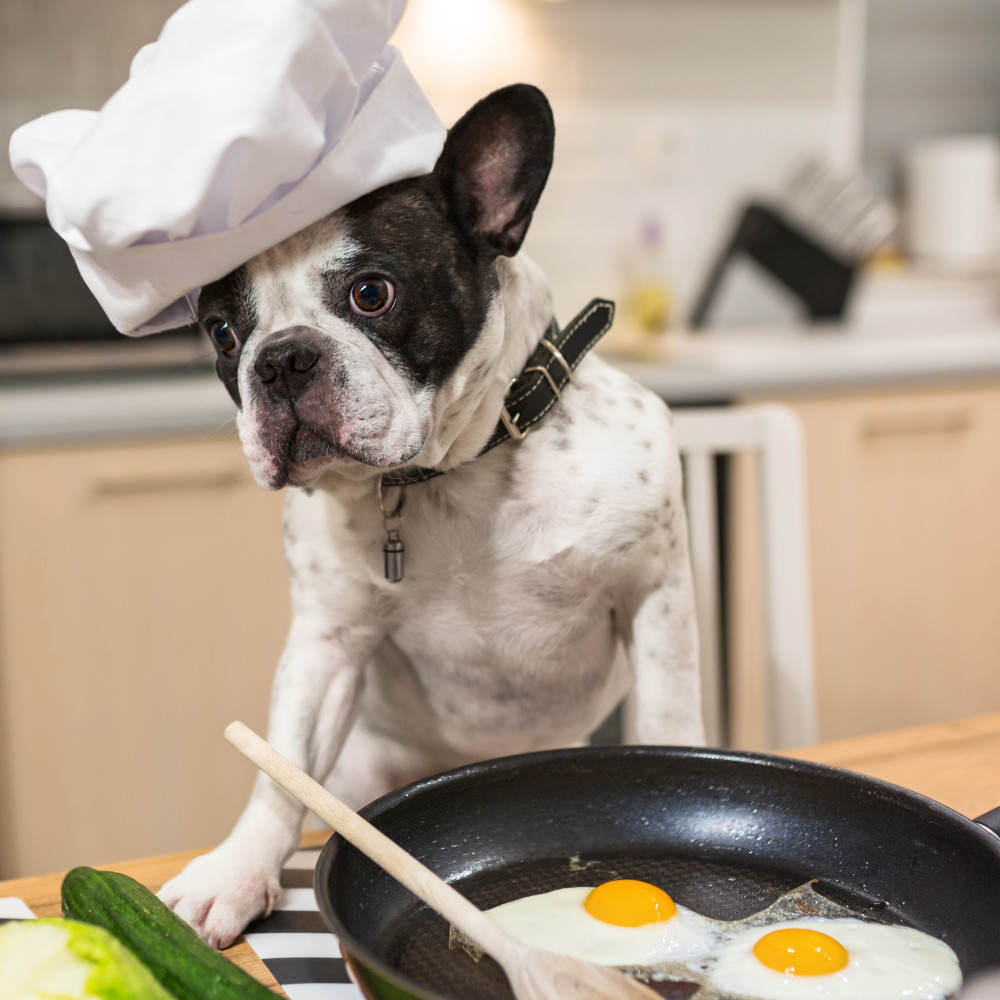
[{"x": 724, "y": 832}]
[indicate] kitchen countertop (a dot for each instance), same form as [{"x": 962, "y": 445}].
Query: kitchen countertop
[
  {"x": 73, "y": 410},
  {"x": 722, "y": 366},
  {"x": 684, "y": 368},
  {"x": 957, "y": 763}
]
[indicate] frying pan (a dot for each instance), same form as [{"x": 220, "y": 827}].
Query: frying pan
[{"x": 723, "y": 832}]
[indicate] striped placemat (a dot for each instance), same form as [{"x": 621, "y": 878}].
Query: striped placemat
[{"x": 295, "y": 944}]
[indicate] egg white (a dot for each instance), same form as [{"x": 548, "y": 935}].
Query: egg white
[
  {"x": 885, "y": 963},
  {"x": 557, "y": 921}
]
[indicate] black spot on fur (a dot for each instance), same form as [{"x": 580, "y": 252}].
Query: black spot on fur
[
  {"x": 230, "y": 299},
  {"x": 506, "y": 481},
  {"x": 559, "y": 418},
  {"x": 443, "y": 288}
]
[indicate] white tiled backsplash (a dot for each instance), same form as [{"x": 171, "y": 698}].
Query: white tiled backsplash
[{"x": 675, "y": 108}]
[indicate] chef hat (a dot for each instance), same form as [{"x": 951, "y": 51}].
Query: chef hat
[{"x": 245, "y": 121}]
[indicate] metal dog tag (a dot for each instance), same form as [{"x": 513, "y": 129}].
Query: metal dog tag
[{"x": 393, "y": 550}]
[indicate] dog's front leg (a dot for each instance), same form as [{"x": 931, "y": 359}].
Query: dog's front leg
[
  {"x": 664, "y": 706},
  {"x": 314, "y": 701}
]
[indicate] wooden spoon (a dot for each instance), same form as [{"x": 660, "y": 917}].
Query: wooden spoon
[{"x": 533, "y": 974}]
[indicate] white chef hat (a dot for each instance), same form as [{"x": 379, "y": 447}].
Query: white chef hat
[{"x": 245, "y": 121}]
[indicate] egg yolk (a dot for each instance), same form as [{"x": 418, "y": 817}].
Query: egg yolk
[
  {"x": 799, "y": 951},
  {"x": 629, "y": 903}
]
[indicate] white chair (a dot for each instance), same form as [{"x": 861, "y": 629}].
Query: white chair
[{"x": 773, "y": 432}]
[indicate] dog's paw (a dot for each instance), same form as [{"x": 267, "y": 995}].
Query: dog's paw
[{"x": 218, "y": 895}]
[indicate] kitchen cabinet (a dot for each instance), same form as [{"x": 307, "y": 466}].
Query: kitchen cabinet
[
  {"x": 143, "y": 605},
  {"x": 905, "y": 560}
]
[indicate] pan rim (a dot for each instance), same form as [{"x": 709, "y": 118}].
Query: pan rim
[{"x": 916, "y": 802}]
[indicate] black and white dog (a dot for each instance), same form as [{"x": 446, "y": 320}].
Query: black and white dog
[{"x": 385, "y": 337}]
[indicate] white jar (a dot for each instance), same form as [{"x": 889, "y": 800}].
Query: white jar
[{"x": 953, "y": 201}]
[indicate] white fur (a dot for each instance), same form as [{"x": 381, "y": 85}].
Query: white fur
[{"x": 528, "y": 571}]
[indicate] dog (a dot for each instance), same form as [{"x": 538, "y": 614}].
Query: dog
[{"x": 385, "y": 338}]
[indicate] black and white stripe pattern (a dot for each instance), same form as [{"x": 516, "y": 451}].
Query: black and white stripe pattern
[{"x": 294, "y": 942}]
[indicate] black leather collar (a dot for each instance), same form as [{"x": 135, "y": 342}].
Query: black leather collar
[{"x": 538, "y": 388}]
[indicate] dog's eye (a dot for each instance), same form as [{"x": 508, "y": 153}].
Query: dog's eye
[
  {"x": 223, "y": 337},
  {"x": 372, "y": 297}
]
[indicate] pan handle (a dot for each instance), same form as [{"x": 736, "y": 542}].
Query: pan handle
[{"x": 991, "y": 820}]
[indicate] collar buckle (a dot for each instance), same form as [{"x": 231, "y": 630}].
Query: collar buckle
[
  {"x": 557, "y": 354},
  {"x": 510, "y": 422}
]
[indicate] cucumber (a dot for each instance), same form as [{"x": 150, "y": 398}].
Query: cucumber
[{"x": 183, "y": 964}]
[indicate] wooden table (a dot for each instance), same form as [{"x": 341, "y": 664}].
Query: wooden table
[{"x": 957, "y": 763}]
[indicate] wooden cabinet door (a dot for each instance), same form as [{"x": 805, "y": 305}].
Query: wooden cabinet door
[
  {"x": 143, "y": 605},
  {"x": 903, "y": 495}
]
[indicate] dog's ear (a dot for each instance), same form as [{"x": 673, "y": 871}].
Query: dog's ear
[{"x": 494, "y": 165}]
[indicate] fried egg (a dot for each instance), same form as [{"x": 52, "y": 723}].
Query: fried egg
[
  {"x": 624, "y": 922},
  {"x": 802, "y": 947},
  {"x": 839, "y": 959}
]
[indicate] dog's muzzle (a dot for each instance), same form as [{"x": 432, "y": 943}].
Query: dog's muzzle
[{"x": 316, "y": 401}]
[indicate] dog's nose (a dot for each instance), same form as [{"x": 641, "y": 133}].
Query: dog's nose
[{"x": 287, "y": 366}]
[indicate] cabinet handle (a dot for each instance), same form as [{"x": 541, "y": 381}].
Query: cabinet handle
[
  {"x": 916, "y": 424},
  {"x": 166, "y": 483}
]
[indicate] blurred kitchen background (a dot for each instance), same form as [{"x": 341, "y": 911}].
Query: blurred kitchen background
[{"x": 135, "y": 618}]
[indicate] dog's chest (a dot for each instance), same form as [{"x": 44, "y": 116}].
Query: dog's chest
[
  {"x": 499, "y": 618},
  {"x": 481, "y": 556}
]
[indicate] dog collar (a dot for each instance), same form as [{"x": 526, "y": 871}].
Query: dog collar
[
  {"x": 531, "y": 395},
  {"x": 539, "y": 386}
]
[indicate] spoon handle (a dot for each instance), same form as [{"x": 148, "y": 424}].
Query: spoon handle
[{"x": 374, "y": 844}]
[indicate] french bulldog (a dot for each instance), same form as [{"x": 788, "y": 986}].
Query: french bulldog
[{"x": 545, "y": 578}]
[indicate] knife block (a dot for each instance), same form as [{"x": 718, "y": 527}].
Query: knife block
[{"x": 814, "y": 275}]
